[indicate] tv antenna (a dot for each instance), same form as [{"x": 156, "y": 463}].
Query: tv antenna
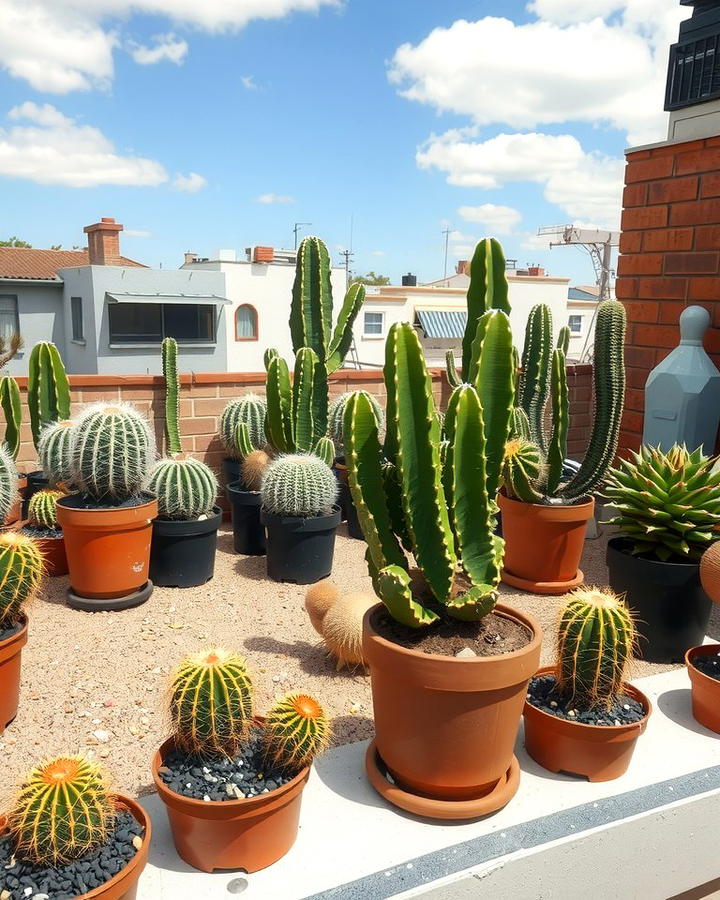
[
  {"x": 447, "y": 241},
  {"x": 298, "y": 226}
]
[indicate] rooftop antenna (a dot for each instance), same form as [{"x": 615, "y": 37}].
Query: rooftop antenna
[
  {"x": 298, "y": 226},
  {"x": 447, "y": 241}
]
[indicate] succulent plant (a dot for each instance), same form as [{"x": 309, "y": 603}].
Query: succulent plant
[
  {"x": 668, "y": 503},
  {"x": 12, "y": 410},
  {"x": 211, "y": 703},
  {"x": 185, "y": 488},
  {"x": 521, "y": 470},
  {"x": 42, "y": 509},
  {"x": 595, "y": 642},
  {"x": 8, "y": 483},
  {"x": 249, "y": 410},
  {"x": 21, "y": 569},
  {"x": 63, "y": 811},
  {"x": 111, "y": 450},
  {"x": 54, "y": 452},
  {"x": 296, "y": 731},
  {"x": 48, "y": 388},
  {"x": 169, "y": 350},
  {"x": 252, "y": 469},
  {"x": 336, "y": 418},
  {"x": 298, "y": 484}
]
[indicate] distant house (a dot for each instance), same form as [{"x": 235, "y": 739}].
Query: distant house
[
  {"x": 581, "y": 308},
  {"x": 108, "y": 314}
]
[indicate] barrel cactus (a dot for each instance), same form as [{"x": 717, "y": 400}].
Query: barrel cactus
[
  {"x": 111, "y": 450},
  {"x": 54, "y": 452},
  {"x": 249, "y": 410},
  {"x": 63, "y": 811},
  {"x": 298, "y": 484},
  {"x": 48, "y": 394},
  {"x": 211, "y": 705},
  {"x": 8, "y": 482},
  {"x": 252, "y": 469},
  {"x": 42, "y": 509},
  {"x": 336, "y": 418},
  {"x": 595, "y": 642},
  {"x": 185, "y": 488},
  {"x": 521, "y": 470},
  {"x": 296, "y": 730},
  {"x": 12, "y": 410},
  {"x": 21, "y": 569}
]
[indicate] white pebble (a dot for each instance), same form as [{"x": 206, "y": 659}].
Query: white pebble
[
  {"x": 553, "y": 704},
  {"x": 206, "y": 798},
  {"x": 28, "y": 891},
  {"x": 572, "y": 713},
  {"x": 626, "y": 706},
  {"x": 41, "y": 896},
  {"x": 137, "y": 842},
  {"x": 206, "y": 770},
  {"x": 617, "y": 721},
  {"x": 188, "y": 785}
]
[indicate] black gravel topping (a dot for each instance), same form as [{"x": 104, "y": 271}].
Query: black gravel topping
[
  {"x": 85, "y": 501},
  {"x": 543, "y": 693},
  {"x": 218, "y": 778},
  {"x": 708, "y": 665},
  {"x": 10, "y": 632},
  {"x": 34, "y": 531},
  {"x": 72, "y": 879}
]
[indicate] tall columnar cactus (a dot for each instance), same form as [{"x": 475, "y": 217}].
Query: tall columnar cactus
[
  {"x": 296, "y": 730},
  {"x": 10, "y": 402},
  {"x": 595, "y": 641},
  {"x": 48, "y": 388},
  {"x": 8, "y": 482},
  {"x": 21, "y": 568},
  {"x": 444, "y": 514},
  {"x": 111, "y": 449},
  {"x": 534, "y": 383},
  {"x": 336, "y": 418},
  {"x": 54, "y": 452},
  {"x": 172, "y": 395},
  {"x": 185, "y": 488},
  {"x": 63, "y": 811},
  {"x": 295, "y": 421},
  {"x": 248, "y": 411},
  {"x": 42, "y": 509},
  {"x": 211, "y": 705},
  {"x": 298, "y": 485}
]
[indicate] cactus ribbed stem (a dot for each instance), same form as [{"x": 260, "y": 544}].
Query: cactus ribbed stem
[
  {"x": 42, "y": 509},
  {"x": 522, "y": 468},
  {"x": 172, "y": 395},
  {"x": 336, "y": 417},
  {"x": 8, "y": 482},
  {"x": 185, "y": 488},
  {"x": 296, "y": 730},
  {"x": 249, "y": 410},
  {"x": 535, "y": 378},
  {"x": 21, "y": 569},
  {"x": 488, "y": 290},
  {"x": 10, "y": 402},
  {"x": 298, "y": 485},
  {"x": 48, "y": 388},
  {"x": 557, "y": 447},
  {"x": 54, "y": 452}
]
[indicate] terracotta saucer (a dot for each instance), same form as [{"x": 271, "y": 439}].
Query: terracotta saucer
[{"x": 542, "y": 587}]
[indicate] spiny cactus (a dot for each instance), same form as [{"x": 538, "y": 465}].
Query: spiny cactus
[
  {"x": 521, "y": 470},
  {"x": 48, "y": 388},
  {"x": 325, "y": 450},
  {"x": 252, "y": 469},
  {"x": 63, "y": 811},
  {"x": 534, "y": 383},
  {"x": 169, "y": 352},
  {"x": 296, "y": 731},
  {"x": 249, "y": 410},
  {"x": 21, "y": 569},
  {"x": 8, "y": 482},
  {"x": 336, "y": 418},
  {"x": 10, "y": 402},
  {"x": 595, "y": 642},
  {"x": 54, "y": 453},
  {"x": 298, "y": 485},
  {"x": 111, "y": 450},
  {"x": 185, "y": 488},
  {"x": 211, "y": 703},
  {"x": 668, "y": 503},
  {"x": 42, "y": 509}
]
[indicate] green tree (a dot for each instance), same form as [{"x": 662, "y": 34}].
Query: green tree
[
  {"x": 14, "y": 242},
  {"x": 370, "y": 278}
]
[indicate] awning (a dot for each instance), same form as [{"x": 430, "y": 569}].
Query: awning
[
  {"x": 166, "y": 298},
  {"x": 442, "y": 323}
]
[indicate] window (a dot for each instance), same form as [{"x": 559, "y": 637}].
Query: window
[
  {"x": 149, "y": 323},
  {"x": 575, "y": 323},
  {"x": 9, "y": 321},
  {"x": 246, "y": 323},
  {"x": 76, "y": 313},
  {"x": 373, "y": 324}
]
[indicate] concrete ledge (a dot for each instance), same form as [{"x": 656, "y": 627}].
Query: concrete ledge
[{"x": 654, "y": 831}]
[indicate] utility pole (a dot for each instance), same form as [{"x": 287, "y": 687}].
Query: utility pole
[
  {"x": 347, "y": 255},
  {"x": 447, "y": 241},
  {"x": 298, "y": 226}
]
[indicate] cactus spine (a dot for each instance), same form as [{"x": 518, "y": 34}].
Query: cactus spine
[
  {"x": 336, "y": 418},
  {"x": 21, "y": 568},
  {"x": 595, "y": 641},
  {"x": 54, "y": 452},
  {"x": 42, "y": 509},
  {"x": 48, "y": 388},
  {"x": 172, "y": 395},
  {"x": 211, "y": 703},
  {"x": 298, "y": 485},
  {"x": 63, "y": 811},
  {"x": 296, "y": 731},
  {"x": 10, "y": 402},
  {"x": 185, "y": 488},
  {"x": 249, "y": 411},
  {"x": 8, "y": 482}
]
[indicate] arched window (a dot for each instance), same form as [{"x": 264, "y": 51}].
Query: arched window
[{"x": 246, "y": 323}]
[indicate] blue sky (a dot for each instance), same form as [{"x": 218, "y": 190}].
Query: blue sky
[{"x": 361, "y": 109}]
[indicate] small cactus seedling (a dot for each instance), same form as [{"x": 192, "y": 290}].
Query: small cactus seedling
[
  {"x": 252, "y": 469},
  {"x": 211, "y": 703},
  {"x": 21, "y": 568},
  {"x": 250, "y": 411},
  {"x": 185, "y": 488},
  {"x": 298, "y": 485},
  {"x": 42, "y": 509},
  {"x": 54, "y": 452},
  {"x": 296, "y": 731},
  {"x": 63, "y": 811}
]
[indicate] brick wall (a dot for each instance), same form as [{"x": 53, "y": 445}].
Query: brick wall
[{"x": 670, "y": 258}]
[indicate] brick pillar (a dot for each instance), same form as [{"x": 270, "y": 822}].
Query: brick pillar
[
  {"x": 669, "y": 258},
  {"x": 104, "y": 242}
]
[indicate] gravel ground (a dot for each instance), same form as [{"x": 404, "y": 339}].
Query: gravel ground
[{"x": 95, "y": 682}]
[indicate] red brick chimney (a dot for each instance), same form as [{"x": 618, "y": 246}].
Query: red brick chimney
[{"x": 104, "y": 242}]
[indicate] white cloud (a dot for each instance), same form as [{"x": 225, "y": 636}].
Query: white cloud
[
  {"x": 379, "y": 253},
  {"x": 167, "y": 48},
  {"x": 136, "y": 233},
  {"x": 190, "y": 184},
  {"x": 270, "y": 198},
  {"x": 499, "y": 219},
  {"x": 248, "y": 82}
]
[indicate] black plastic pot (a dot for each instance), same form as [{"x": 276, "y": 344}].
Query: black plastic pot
[
  {"x": 353, "y": 523},
  {"x": 182, "y": 553},
  {"x": 36, "y": 481},
  {"x": 300, "y": 550},
  {"x": 248, "y": 531},
  {"x": 671, "y": 608},
  {"x": 231, "y": 470}
]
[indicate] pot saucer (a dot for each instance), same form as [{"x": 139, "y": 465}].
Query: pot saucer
[
  {"x": 432, "y": 808},
  {"x": 542, "y": 587},
  {"x": 109, "y": 604}
]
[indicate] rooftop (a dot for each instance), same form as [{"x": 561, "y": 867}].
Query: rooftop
[{"x": 42, "y": 265}]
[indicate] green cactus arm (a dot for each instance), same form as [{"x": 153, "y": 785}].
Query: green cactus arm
[
  {"x": 169, "y": 351},
  {"x": 557, "y": 448},
  {"x": 343, "y": 334},
  {"x": 396, "y": 593},
  {"x": 320, "y": 400},
  {"x": 311, "y": 307},
  {"x": 325, "y": 449},
  {"x": 269, "y": 356},
  {"x": 243, "y": 441},
  {"x": 563, "y": 339},
  {"x": 279, "y": 421},
  {"x": 478, "y": 601},
  {"x": 519, "y": 424},
  {"x": 12, "y": 410},
  {"x": 451, "y": 370},
  {"x": 535, "y": 380},
  {"x": 303, "y": 390},
  {"x": 393, "y": 498},
  {"x": 488, "y": 290},
  {"x": 48, "y": 388}
]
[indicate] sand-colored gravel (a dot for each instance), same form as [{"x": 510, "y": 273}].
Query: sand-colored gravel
[{"x": 95, "y": 681}]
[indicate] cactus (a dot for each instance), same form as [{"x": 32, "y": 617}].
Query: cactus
[
  {"x": 42, "y": 509},
  {"x": 557, "y": 445},
  {"x": 252, "y": 469},
  {"x": 54, "y": 452},
  {"x": 8, "y": 483},
  {"x": 296, "y": 421},
  {"x": 534, "y": 382},
  {"x": 336, "y": 418},
  {"x": 10, "y": 402},
  {"x": 210, "y": 703},
  {"x": 522, "y": 467},
  {"x": 63, "y": 811},
  {"x": 668, "y": 503},
  {"x": 519, "y": 424},
  {"x": 172, "y": 395},
  {"x": 111, "y": 451},
  {"x": 325, "y": 450},
  {"x": 185, "y": 488},
  {"x": 48, "y": 388},
  {"x": 298, "y": 485},
  {"x": 249, "y": 410},
  {"x": 595, "y": 642},
  {"x": 21, "y": 569},
  {"x": 296, "y": 730}
]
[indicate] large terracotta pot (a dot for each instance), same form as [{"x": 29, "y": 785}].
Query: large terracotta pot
[
  {"x": 10, "y": 653},
  {"x": 599, "y": 752},
  {"x": 445, "y": 727},
  {"x": 108, "y": 550},
  {"x": 248, "y": 834},
  {"x": 705, "y": 690},
  {"x": 122, "y": 886},
  {"x": 543, "y": 545}
]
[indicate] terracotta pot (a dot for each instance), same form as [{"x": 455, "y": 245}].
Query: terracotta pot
[
  {"x": 543, "y": 545},
  {"x": 53, "y": 551},
  {"x": 710, "y": 571},
  {"x": 232, "y": 834},
  {"x": 122, "y": 886},
  {"x": 16, "y": 511},
  {"x": 446, "y": 727},
  {"x": 10, "y": 653},
  {"x": 705, "y": 690},
  {"x": 599, "y": 752},
  {"x": 108, "y": 550}
]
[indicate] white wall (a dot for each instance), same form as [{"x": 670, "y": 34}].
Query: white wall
[{"x": 582, "y": 340}]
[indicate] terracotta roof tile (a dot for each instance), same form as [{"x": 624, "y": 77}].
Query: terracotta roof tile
[{"x": 42, "y": 265}]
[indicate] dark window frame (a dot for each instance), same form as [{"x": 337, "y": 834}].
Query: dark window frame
[
  {"x": 77, "y": 319},
  {"x": 118, "y": 337},
  {"x": 14, "y": 297}
]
